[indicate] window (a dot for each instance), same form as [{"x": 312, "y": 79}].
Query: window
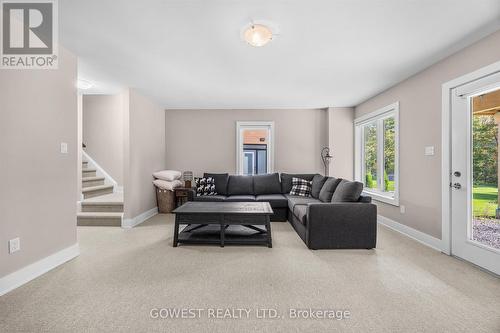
[
  {"x": 254, "y": 155},
  {"x": 376, "y": 153}
]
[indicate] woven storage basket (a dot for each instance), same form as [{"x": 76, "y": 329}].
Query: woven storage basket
[{"x": 165, "y": 200}]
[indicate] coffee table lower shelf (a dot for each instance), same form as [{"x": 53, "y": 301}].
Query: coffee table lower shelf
[{"x": 232, "y": 235}]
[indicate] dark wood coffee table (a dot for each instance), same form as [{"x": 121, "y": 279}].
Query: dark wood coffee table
[{"x": 223, "y": 223}]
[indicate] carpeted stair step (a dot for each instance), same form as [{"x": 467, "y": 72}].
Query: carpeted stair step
[
  {"x": 94, "y": 191},
  {"x": 86, "y": 172},
  {"x": 92, "y": 181},
  {"x": 99, "y": 219},
  {"x": 104, "y": 206}
]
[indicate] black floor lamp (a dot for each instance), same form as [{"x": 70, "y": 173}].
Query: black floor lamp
[{"x": 326, "y": 157}]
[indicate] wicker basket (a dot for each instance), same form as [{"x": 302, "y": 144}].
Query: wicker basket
[{"x": 165, "y": 200}]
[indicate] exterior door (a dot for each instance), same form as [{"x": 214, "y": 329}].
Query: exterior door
[{"x": 475, "y": 223}]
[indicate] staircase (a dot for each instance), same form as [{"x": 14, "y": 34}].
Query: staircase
[{"x": 100, "y": 205}]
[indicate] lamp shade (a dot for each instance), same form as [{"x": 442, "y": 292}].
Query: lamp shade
[{"x": 187, "y": 175}]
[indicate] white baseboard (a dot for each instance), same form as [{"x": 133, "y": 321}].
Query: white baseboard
[
  {"x": 34, "y": 270},
  {"x": 423, "y": 238},
  {"x": 130, "y": 223}
]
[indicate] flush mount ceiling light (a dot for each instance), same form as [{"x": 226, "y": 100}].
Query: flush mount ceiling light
[
  {"x": 84, "y": 84},
  {"x": 258, "y": 35}
]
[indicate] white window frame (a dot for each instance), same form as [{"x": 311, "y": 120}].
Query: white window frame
[
  {"x": 245, "y": 125},
  {"x": 378, "y": 116}
]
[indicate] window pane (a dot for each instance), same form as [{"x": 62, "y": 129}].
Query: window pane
[
  {"x": 262, "y": 162},
  {"x": 389, "y": 155},
  {"x": 255, "y": 149},
  {"x": 485, "y": 224},
  {"x": 248, "y": 163},
  {"x": 370, "y": 158}
]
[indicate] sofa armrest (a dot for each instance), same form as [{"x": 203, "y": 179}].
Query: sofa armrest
[{"x": 341, "y": 225}]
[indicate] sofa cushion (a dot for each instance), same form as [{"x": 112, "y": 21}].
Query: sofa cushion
[
  {"x": 326, "y": 193},
  {"x": 300, "y": 212},
  {"x": 220, "y": 181},
  {"x": 205, "y": 186},
  {"x": 317, "y": 183},
  {"x": 275, "y": 200},
  {"x": 240, "y": 198},
  {"x": 301, "y": 187},
  {"x": 295, "y": 200},
  {"x": 266, "y": 184},
  {"x": 347, "y": 191},
  {"x": 240, "y": 185},
  {"x": 210, "y": 198},
  {"x": 286, "y": 180}
]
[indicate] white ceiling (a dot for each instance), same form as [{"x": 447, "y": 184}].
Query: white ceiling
[{"x": 189, "y": 54}]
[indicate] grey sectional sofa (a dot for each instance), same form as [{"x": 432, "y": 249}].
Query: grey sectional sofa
[{"x": 336, "y": 216}]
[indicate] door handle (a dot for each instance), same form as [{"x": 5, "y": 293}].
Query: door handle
[{"x": 456, "y": 186}]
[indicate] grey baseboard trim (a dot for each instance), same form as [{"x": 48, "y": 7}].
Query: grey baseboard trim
[
  {"x": 34, "y": 270},
  {"x": 132, "y": 222},
  {"x": 423, "y": 238}
]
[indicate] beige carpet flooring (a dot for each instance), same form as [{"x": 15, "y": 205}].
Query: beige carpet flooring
[{"x": 121, "y": 275}]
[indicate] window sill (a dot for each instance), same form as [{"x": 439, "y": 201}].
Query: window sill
[{"x": 378, "y": 196}]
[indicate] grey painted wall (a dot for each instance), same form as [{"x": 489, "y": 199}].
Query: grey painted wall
[
  {"x": 341, "y": 142},
  {"x": 144, "y": 151},
  {"x": 39, "y": 184},
  {"x": 205, "y": 140},
  {"x": 420, "y": 126},
  {"x": 103, "y": 117}
]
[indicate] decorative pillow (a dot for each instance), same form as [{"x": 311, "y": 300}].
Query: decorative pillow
[
  {"x": 301, "y": 187},
  {"x": 205, "y": 186},
  {"x": 221, "y": 180},
  {"x": 286, "y": 180}
]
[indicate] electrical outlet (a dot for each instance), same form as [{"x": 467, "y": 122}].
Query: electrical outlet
[
  {"x": 14, "y": 245},
  {"x": 402, "y": 209}
]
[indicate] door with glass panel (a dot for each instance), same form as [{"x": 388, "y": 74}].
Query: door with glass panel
[{"x": 474, "y": 178}]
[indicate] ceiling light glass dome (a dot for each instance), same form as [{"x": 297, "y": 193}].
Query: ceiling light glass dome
[{"x": 258, "y": 35}]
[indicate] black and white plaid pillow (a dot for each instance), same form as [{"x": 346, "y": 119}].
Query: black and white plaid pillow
[
  {"x": 301, "y": 187},
  {"x": 205, "y": 186}
]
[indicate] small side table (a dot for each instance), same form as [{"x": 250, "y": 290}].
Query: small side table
[{"x": 181, "y": 195}]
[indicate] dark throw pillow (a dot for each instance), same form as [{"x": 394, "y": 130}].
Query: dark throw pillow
[
  {"x": 317, "y": 184},
  {"x": 205, "y": 186},
  {"x": 347, "y": 191},
  {"x": 301, "y": 187},
  {"x": 326, "y": 193}
]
